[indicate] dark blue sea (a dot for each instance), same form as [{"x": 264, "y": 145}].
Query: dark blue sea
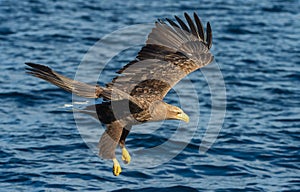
[{"x": 256, "y": 44}]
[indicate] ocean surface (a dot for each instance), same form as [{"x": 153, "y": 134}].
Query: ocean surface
[{"x": 256, "y": 44}]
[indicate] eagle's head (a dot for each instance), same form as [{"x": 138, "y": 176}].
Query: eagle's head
[{"x": 163, "y": 111}]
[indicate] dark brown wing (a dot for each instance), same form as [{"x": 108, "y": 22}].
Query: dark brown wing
[
  {"x": 171, "y": 52},
  {"x": 76, "y": 87},
  {"x": 70, "y": 85}
]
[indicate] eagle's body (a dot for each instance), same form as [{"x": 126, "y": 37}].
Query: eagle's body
[{"x": 136, "y": 95}]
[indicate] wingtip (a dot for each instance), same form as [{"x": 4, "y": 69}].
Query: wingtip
[
  {"x": 208, "y": 35},
  {"x": 32, "y": 64},
  {"x": 199, "y": 26},
  {"x": 160, "y": 21},
  {"x": 37, "y": 67},
  {"x": 208, "y": 24},
  {"x": 176, "y": 17},
  {"x": 196, "y": 16},
  {"x": 182, "y": 24},
  {"x": 191, "y": 25},
  {"x": 28, "y": 63}
]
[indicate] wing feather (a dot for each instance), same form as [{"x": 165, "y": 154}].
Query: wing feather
[
  {"x": 199, "y": 27},
  {"x": 182, "y": 24},
  {"x": 208, "y": 35},
  {"x": 191, "y": 24},
  {"x": 172, "y": 23}
]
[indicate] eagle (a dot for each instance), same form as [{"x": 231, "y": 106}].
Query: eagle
[{"x": 173, "y": 49}]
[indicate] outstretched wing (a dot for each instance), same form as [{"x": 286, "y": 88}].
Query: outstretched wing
[
  {"x": 172, "y": 51},
  {"x": 76, "y": 87}
]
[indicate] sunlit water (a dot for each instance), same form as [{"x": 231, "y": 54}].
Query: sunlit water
[{"x": 256, "y": 45}]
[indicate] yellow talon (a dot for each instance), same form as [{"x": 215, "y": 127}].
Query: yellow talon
[
  {"x": 125, "y": 156},
  {"x": 116, "y": 168}
]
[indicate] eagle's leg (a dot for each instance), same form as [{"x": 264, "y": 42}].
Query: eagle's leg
[
  {"x": 125, "y": 154},
  {"x": 116, "y": 167},
  {"x": 108, "y": 143}
]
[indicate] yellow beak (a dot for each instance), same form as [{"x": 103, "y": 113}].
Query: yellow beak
[{"x": 184, "y": 117}]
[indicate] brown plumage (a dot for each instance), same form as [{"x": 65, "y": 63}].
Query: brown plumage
[{"x": 135, "y": 96}]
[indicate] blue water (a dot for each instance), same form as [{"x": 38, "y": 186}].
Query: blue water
[{"x": 256, "y": 45}]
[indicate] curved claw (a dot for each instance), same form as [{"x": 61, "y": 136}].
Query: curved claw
[
  {"x": 125, "y": 156},
  {"x": 116, "y": 167}
]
